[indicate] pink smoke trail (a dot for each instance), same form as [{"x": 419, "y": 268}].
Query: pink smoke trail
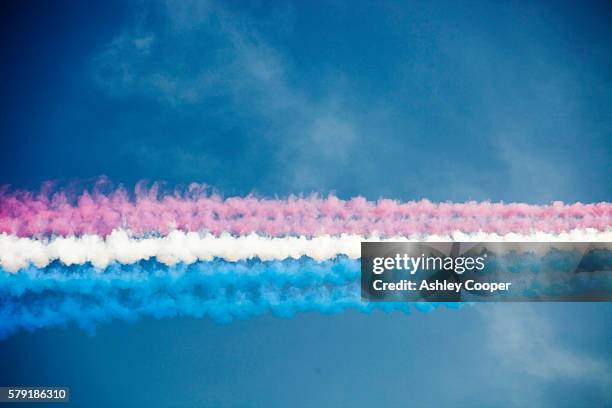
[{"x": 149, "y": 212}]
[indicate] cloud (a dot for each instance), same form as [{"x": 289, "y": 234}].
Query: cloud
[
  {"x": 530, "y": 169},
  {"x": 199, "y": 56},
  {"x": 525, "y": 341},
  {"x": 458, "y": 118}
]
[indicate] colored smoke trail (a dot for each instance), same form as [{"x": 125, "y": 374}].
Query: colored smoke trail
[
  {"x": 207, "y": 276},
  {"x": 147, "y": 211},
  {"x": 94, "y": 257},
  {"x": 180, "y": 247},
  {"x": 89, "y": 311},
  {"x": 35, "y": 299}
]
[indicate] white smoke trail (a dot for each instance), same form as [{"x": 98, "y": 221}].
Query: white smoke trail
[{"x": 189, "y": 247}]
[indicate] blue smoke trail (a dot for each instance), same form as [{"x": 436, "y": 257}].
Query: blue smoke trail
[
  {"x": 223, "y": 291},
  {"x": 207, "y": 276}
]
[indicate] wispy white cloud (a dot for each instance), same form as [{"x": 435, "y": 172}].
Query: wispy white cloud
[
  {"x": 200, "y": 52},
  {"x": 525, "y": 342}
]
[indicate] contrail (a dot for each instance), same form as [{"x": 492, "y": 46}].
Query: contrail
[{"x": 189, "y": 247}]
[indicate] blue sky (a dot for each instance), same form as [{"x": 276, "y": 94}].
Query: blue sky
[
  {"x": 440, "y": 100},
  {"x": 435, "y": 100}
]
